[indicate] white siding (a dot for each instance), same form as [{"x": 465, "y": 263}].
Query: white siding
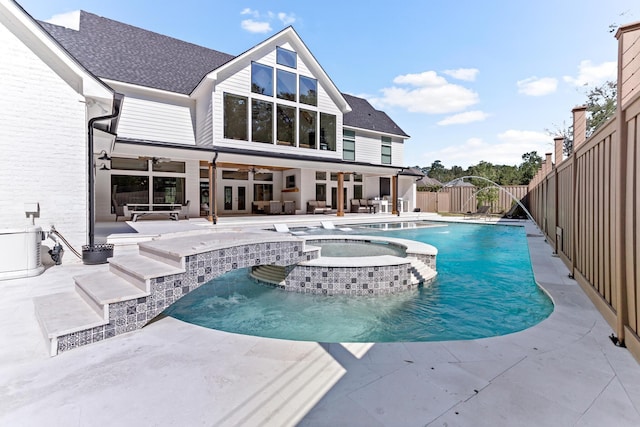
[
  {"x": 239, "y": 83},
  {"x": 43, "y": 140},
  {"x": 156, "y": 121},
  {"x": 369, "y": 148},
  {"x": 204, "y": 120}
]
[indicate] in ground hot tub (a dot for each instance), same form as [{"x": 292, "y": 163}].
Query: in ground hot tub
[{"x": 356, "y": 265}]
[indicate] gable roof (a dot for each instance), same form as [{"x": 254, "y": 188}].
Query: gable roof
[
  {"x": 116, "y": 51},
  {"x": 364, "y": 116},
  {"x": 122, "y": 52}
]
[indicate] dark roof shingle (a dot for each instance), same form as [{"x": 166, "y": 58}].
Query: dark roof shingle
[
  {"x": 116, "y": 51},
  {"x": 364, "y": 116}
]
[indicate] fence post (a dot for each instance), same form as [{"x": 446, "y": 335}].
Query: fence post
[{"x": 579, "y": 136}]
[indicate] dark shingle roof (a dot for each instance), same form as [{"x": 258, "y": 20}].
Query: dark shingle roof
[
  {"x": 117, "y": 51},
  {"x": 364, "y": 116}
]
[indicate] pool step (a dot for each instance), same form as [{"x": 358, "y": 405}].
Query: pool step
[
  {"x": 421, "y": 273},
  {"x": 272, "y": 274}
]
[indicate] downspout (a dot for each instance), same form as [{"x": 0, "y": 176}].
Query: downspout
[{"x": 90, "y": 164}]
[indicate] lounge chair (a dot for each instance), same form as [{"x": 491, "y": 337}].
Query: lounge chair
[
  {"x": 328, "y": 225},
  {"x": 482, "y": 212},
  {"x": 283, "y": 228}
]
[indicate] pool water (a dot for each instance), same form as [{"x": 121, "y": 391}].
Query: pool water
[
  {"x": 484, "y": 288},
  {"x": 357, "y": 249}
]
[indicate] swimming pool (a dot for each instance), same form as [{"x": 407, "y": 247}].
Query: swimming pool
[{"x": 484, "y": 288}]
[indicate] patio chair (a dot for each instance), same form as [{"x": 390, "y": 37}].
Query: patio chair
[
  {"x": 116, "y": 208},
  {"x": 184, "y": 210},
  {"x": 274, "y": 207}
]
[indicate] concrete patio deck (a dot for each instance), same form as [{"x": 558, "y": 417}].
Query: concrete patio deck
[{"x": 562, "y": 372}]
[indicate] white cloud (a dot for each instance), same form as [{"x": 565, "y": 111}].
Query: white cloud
[
  {"x": 462, "y": 118},
  {"x": 534, "y": 86},
  {"x": 513, "y": 144},
  {"x": 261, "y": 22},
  {"x": 286, "y": 18},
  {"x": 593, "y": 74},
  {"x": 255, "y": 26},
  {"x": 427, "y": 93},
  {"x": 249, "y": 11},
  {"x": 67, "y": 20},
  {"x": 466, "y": 74}
]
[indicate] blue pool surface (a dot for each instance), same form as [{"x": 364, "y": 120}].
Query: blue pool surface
[{"x": 484, "y": 288}]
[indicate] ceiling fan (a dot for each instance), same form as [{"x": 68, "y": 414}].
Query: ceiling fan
[{"x": 155, "y": 160}]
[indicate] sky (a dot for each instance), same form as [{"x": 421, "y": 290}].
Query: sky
[{"x": 468, "y": 80}]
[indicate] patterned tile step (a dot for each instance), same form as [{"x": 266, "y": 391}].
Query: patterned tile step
[
  {"x": 64, "y": 313},
  {"x": 106, "y": 287}
]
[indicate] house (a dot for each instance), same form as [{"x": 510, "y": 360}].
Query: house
[{"x": 180, "y": 123}]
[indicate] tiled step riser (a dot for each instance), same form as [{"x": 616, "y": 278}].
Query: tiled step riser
[
  {"x": 100, "y": 309},
  {"x": 165, "y": 258},
  {"x": 129, "y": 276}
]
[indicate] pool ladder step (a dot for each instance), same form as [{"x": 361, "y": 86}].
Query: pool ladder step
[
  {"x": 271, "y": 274},
  {"x": 421, "y": 273}
]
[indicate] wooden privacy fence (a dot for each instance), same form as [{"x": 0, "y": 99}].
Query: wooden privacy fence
[
  {"x": 463, "y": 199},
  {"x": 588, "y": 205}
]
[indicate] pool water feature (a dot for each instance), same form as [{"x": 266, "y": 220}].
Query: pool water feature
[{"x": 484, "y": 288}]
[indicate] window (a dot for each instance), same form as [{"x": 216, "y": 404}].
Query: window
[
  {"x": 286, "y": 57},
  {"x": 129, "y": 164},
  {"x": 307, "y": 129},
  {"x": 240, "y": 175},
  {"x": 334, "y": 176},
  {"x": 308, "y": 91},
  {"x": 286, "y": 84},
  {"x": 235, "y": 117},
  {"x": 321, "y": 192},
  {"x": 262, "y": 192},
  {"x": 357, "y": 177},
  {"x": 348, "y": 145},
  {"x": 168, "y": 190},
  {"x": 261, "y": 79},
  {"x": 168, "y": 166},
  {"x": 327, "y": 132},
  {"x": 261, "y": 121},
  {"x": 357, "y": 192},
  {"x": 286, "y": 125},
  {"x": 263, "y": 176},
  {"x": 386, "y": 150},
  {"x": 290, "y": 181},
  {"x": 321, "y": 176},
  {"x": 130, "y": 189},
  {"x": 385, "y": 186}
]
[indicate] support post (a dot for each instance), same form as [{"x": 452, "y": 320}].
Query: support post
[
  {"x": 340, "y": 194},
  {"x": 394, "y": 194}
]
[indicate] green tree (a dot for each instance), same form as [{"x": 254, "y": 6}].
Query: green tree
[
  {"x": 531, "y": 162},
  {"x": 601, "y": 105}
]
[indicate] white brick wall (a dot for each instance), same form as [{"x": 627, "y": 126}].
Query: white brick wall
[{"x": 42, "y": 144}]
